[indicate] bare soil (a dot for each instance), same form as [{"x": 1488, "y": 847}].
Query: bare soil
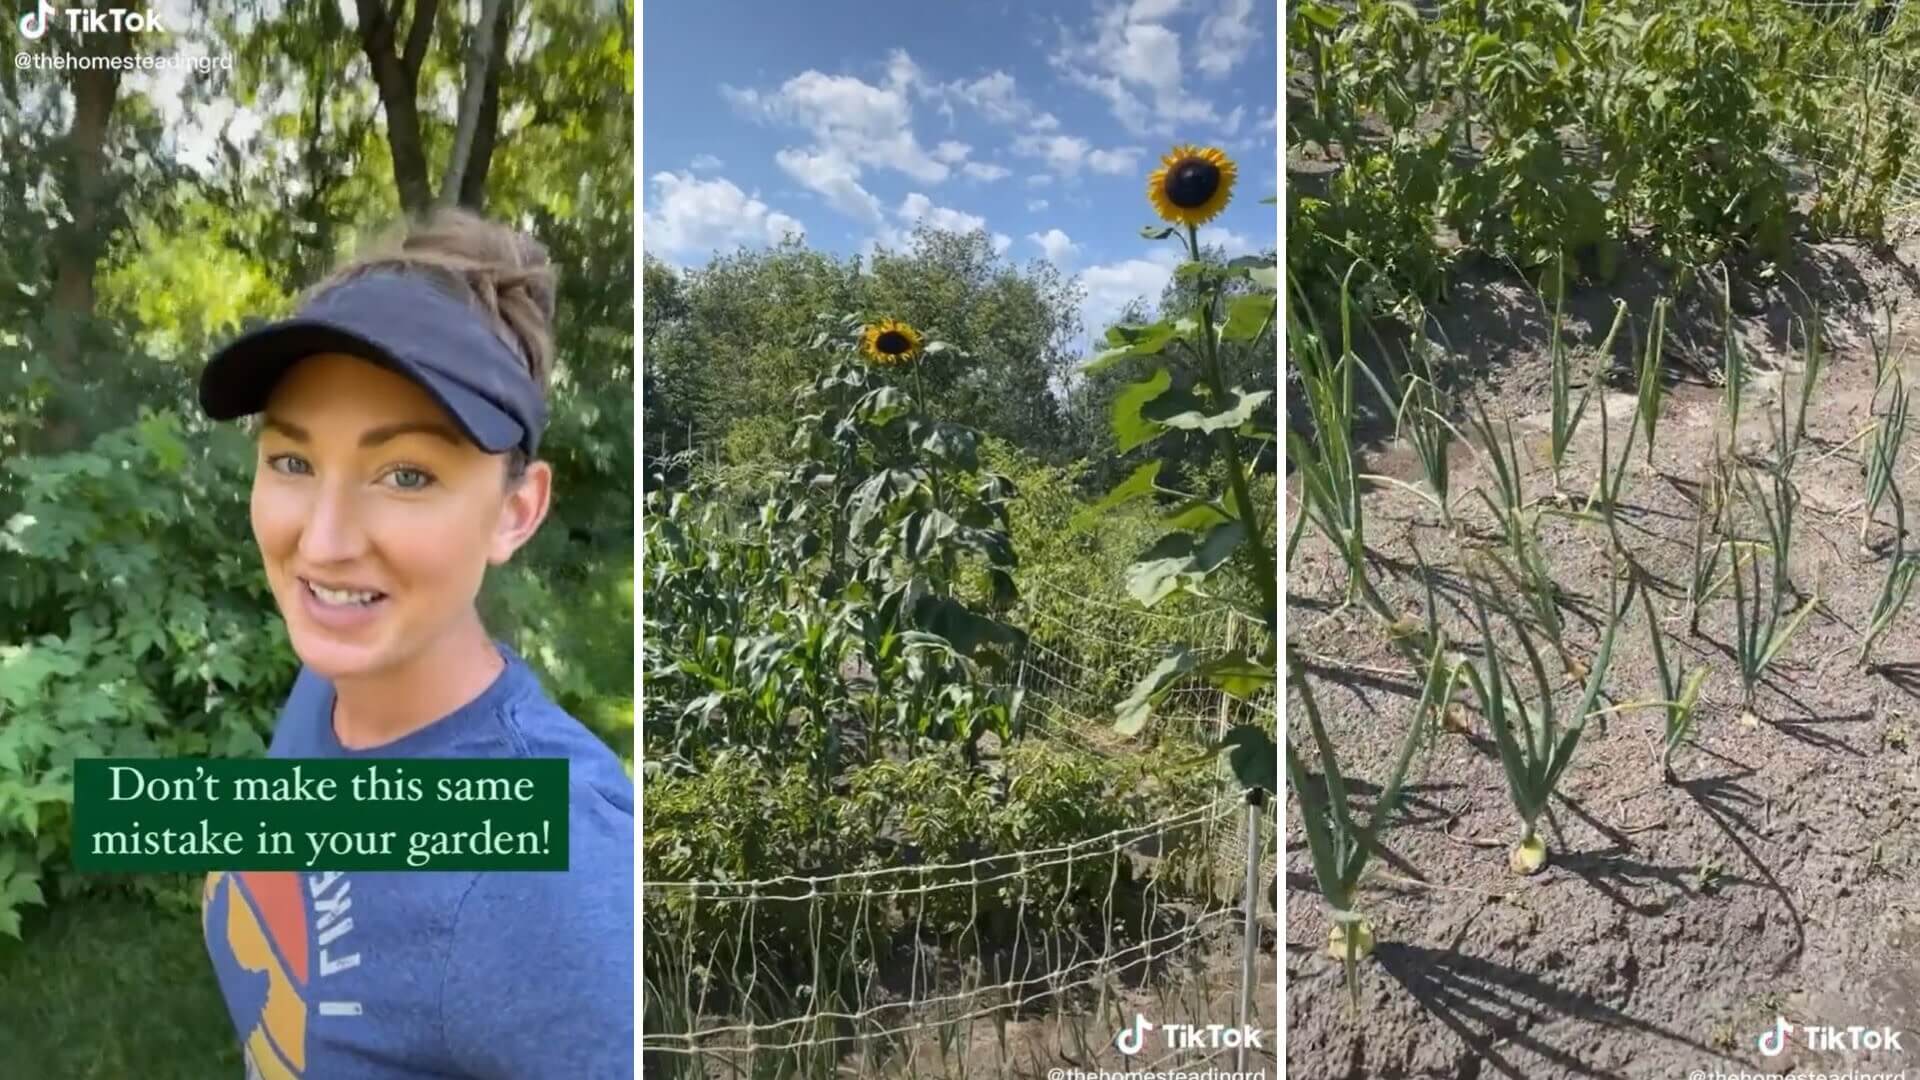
[{"x": 1674, "y": 922}]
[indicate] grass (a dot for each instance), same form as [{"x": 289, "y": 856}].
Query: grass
[{"x": 112, "y": 987}]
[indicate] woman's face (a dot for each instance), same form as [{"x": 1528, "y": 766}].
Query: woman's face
[{"x": 376, "y": 518}]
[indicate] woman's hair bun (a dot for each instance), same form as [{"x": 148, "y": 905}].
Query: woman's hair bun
[{"x": 503, "y": 272}]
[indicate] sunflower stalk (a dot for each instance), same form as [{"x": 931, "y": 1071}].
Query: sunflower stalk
[{"x": 1534, "y": 751}]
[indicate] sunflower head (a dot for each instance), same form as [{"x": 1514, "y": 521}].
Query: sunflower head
[
  {"x": 1191, "y": 185},
  {"x": 891, "y": 343}
]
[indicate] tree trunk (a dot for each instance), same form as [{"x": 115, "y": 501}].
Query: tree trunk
[
  {"x": 473, "y": 182},
  {"x": 78, "y": 245},
  {"x": 397, "y": 76},
  {"x": 480, "y": 54}
]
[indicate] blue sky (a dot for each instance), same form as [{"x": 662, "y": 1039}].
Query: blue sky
[{"x": 851, "y": 120}]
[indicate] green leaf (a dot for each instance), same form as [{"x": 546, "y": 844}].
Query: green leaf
[
  {"x": 1131, "y": 715},
  {"x": 1178, "y": 562},
  {"x": 1247, "y": 317},
  {"x": 1196, "y": 514},
  {"x": 1155, "y": 232},
  {"x": 1191, "y": 419},
  {"x": 925, "y": 529},
  {"x": 1128, "y": 341},
  {"x": 1130, "y": 428},
  {"x": 1138, "y": 483},
  {"x": 1237, "y": 674},
  {"x": 952, "y": 444},
  {"x": 1251, "y": 754},
  {"x": 969, "y": 633}
]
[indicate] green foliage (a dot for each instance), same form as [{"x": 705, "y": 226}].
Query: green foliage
[{"x": 139, "y": 624}]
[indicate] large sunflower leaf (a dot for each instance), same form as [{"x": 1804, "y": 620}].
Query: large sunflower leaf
[
  {"x": 1127, "y": 341},
  {"x": 1179, "y": 561},
  {"x": 1251, "y": 754},
  {"x": 1139, "y": 483},
  {"x": 1193, "y": 419},
  {"x": 1238, "y": 674},
  {"x": 1131, "y": 715},
  {"x": 1130, "y": 428},
  {"x": 1247, "y": 317}
]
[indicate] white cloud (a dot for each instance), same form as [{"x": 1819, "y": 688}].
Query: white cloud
[
  {"x": 834, "y": 178},
  {"x": 1062, "y": 153},
  {"x": 691, "y": 216},
  {"x": 996, "y": 96},
  {"x": 917, "y": 208},
  {"x": 706, "y": 163},
  {"x": 1118, "y": 161},
  {"x": 1226, "y": 37},
  {"x": 1034, "y": 206},
  {"x": 1146, "y": 10},
  {"x": 1057, "y": 246},
  {"x": 1131, "y": 57},
  {"x": 1039, "y": 180},
  {"x": 986, "y": 172},
  {"x": 1001, "y": 242},
  {"x": 867, "y": 125},
  {"x": 1110, "y": 286},
  {"x": 952, "y": 152}
]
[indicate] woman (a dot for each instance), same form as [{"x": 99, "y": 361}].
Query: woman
[{"x": 399, "y": 416}]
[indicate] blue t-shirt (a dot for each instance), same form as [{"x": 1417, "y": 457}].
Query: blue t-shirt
[{"x": 477, "y": 975}]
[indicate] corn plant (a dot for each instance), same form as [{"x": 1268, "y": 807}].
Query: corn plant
[
  {"x": 1534, "y": 750},
  {"x": 1653, "y": 384},
  {"x": 1759, "y": 635},
  {"x": 1898, "y": 583},
  {"x": 1884, "y": 452},
  {"x": 1679, "y": 689},
  {"x": 1340, "y": 847}
]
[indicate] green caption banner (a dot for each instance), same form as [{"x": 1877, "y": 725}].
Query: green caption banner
[{"x": 199, "y": 814}]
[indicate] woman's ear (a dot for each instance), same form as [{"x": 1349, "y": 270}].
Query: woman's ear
[{"x": 521, "y": 513}]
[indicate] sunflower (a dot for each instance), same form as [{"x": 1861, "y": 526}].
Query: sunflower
[
  {"x": 1191, "y": 185},
  {"x": 891, "y": 343}
]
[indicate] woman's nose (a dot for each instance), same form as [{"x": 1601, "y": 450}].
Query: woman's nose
[{"x": 333, "y": 531}]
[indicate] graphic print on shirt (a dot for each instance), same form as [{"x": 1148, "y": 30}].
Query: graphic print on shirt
[{"x": 272, "y": 946}]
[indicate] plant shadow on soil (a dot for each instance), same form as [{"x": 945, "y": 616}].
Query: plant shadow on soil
[{"x": 1774, "y": 876}]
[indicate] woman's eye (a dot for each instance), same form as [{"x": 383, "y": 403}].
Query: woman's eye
[
  {"x": 410, "y": 479},
  {"x": 288, "y": 464}
]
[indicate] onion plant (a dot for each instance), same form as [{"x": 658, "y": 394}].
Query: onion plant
[
  {"x": 1884, "y": 452},
  {"x": 1759, "y": 635},
  {"x": 1422, "y": 422},
  {"x": 1653, "y": 384},
  {"x": 1566, "y": 412},
  {"x": 1679, "y": 689},
  {"x": 1326, "y": 464},
  {"x": 1898, "y": 584},
  {"x": 1528, "y": 572},
  {"x": 1708, "y": 526},
  {"x": 1341, "y": 847},
  {"x": 1788, "y": 437},
  {"x": 1534, "y": 748},
  {"x": 1735, "y": 366}
]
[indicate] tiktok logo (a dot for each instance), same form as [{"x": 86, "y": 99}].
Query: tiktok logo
[
  {"x": 1133, "y": 1037},
  {"x": 34, "y": 23},
  {"x": 1774, "y": 1043}
]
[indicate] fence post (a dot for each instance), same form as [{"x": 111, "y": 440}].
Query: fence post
[{"x": 1251, "y": 934}]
